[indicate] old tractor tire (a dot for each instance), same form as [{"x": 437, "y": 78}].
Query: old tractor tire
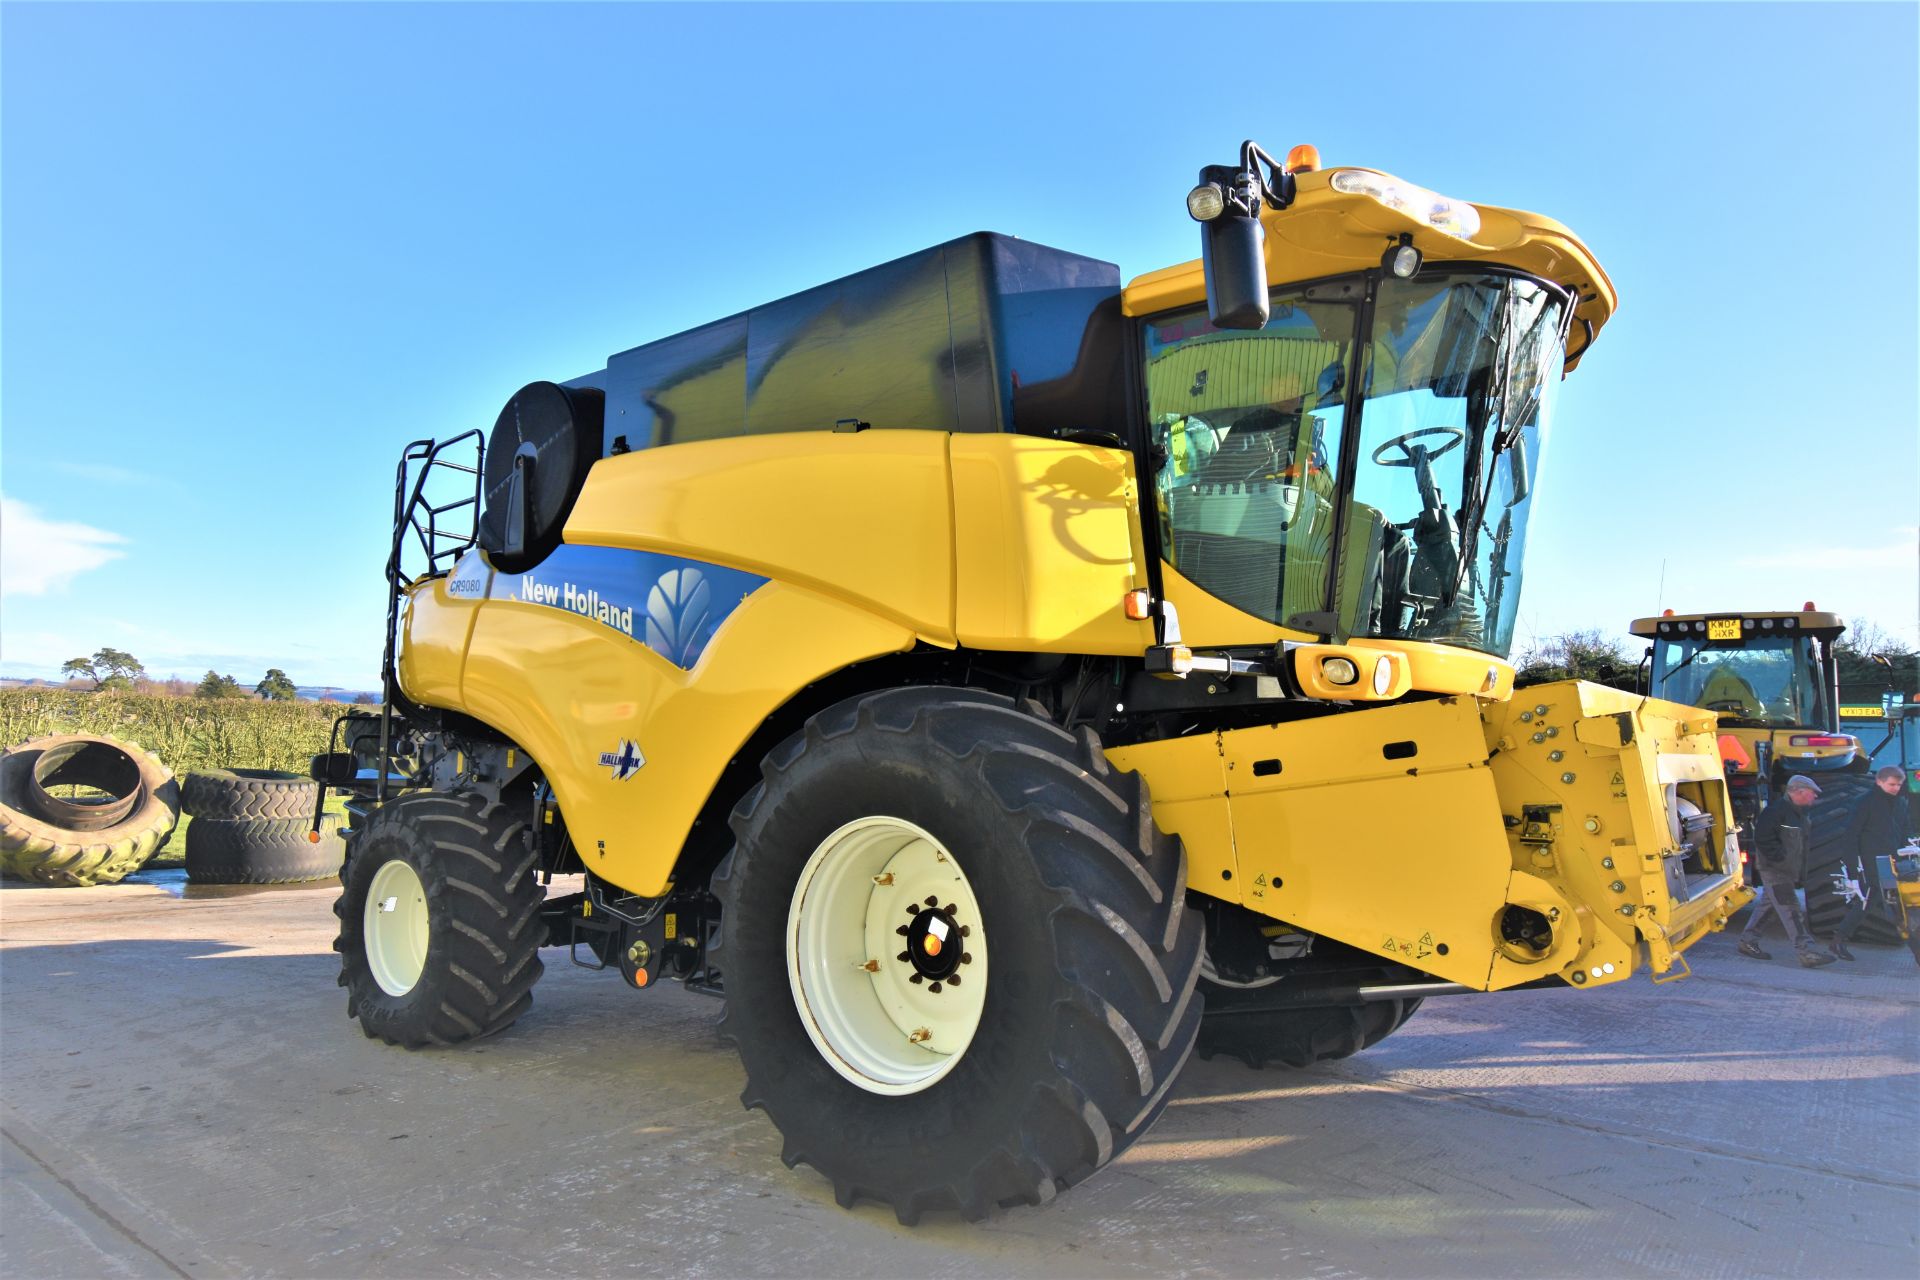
[
  {"x": 248, "y": 795},
  {"x": 1827, "y": 821},
  {"x": 1293, "y": 1037},
  {"x": 268, "y": 851},
  {"x": 440, "y": 927},
  {"x": 63, "y": 841},
  {"x": 958, "y": 961}
]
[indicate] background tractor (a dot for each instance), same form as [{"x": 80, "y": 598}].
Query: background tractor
[
  {"x": 995, "y": 681},
  {"x": 1773, "y": 681}
]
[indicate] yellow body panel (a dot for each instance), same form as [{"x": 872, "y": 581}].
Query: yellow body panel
[
  {"x": 434, "y": 632},
  {"x": 856, "y": 533},
  {"x": 1404, "y": 829},
  {"x": 863, "y": 516},
  {"x": 565, "y": 688},
  {"x": 1207, "y": 620},
  {"x": 1327, "y": 233},
  {"x": 1049, "y": 544}
]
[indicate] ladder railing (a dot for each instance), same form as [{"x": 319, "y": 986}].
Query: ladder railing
[{"x": 442, "y": 535}]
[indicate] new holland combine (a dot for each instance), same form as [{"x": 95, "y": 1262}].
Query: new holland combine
[{"x": 993, "y": 680}]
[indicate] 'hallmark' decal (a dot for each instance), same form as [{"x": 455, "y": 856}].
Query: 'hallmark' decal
[{"x": 625, "y": 762}]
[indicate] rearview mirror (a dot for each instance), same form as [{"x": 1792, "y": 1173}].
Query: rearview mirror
[{"x": 1233, "y": 254}]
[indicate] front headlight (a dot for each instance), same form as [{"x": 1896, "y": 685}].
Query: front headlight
[{"x": 1455, "y": 217}]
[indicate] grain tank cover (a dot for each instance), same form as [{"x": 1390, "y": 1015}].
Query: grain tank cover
[{"x": 984, "y": 333}]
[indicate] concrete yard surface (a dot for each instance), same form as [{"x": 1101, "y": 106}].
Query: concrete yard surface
[{"x": 184, "y": 1095}]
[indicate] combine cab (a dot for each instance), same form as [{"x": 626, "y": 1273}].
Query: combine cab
[{"x": 995, "y": 681}]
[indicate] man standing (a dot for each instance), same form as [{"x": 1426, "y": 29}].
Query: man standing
[
  {"x": 1879, "y": 826},
  {"x": 1780, "y": 849}
]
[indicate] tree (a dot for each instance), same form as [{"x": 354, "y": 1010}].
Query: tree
[
  {"x": 1872, "y": 662},
  {"x": 1578, "y": 655},
  {"x": 365, "y": 700},
  {"x": 108, "y": 668},
  {"x": 277, "y": 687},
  {"x": 215, "y": 685}
]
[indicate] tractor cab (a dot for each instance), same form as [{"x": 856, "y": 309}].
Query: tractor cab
[{"x": 1773, "y": 681}]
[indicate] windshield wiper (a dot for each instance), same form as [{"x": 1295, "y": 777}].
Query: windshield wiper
[{"x": 1473, "y": 512}]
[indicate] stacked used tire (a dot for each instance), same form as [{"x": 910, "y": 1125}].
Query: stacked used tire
[
  {"x": 255, "y": 826},
  {"x": 77, "y": 809}
]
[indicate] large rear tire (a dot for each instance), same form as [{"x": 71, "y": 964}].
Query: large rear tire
[
  {"x": 440, "y": 929},
  {"x": 1036, "y": 877}
]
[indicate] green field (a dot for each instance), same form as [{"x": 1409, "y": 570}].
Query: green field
[{"x": 187, "y": 734}]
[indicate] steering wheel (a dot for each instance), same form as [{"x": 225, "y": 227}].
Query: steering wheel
[{"x": 1403, "y": 443}]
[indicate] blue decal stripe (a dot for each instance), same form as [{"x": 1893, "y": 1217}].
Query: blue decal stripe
[{"x": 671, "y": 605}]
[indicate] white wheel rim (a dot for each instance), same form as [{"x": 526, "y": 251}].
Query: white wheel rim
[
  {"x": 395, "y": 927},
  {"x": 857, "y": 998}
]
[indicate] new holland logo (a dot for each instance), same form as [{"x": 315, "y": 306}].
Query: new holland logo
[{"x": 625, "y": 762}]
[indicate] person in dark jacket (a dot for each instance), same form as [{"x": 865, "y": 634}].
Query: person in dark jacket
[
  {"x": 1780, "y": 851},
  {"x": 1877, "y": 828}
]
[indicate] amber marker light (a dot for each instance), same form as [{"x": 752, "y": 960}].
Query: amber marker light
[
  {"x": 1137, "y": 605},
  {"x": 1304, "y": 158}
]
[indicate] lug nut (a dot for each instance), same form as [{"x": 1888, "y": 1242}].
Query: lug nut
[
  {"x": 1618, "y": 886},
  {"x": 1566, "y": 777},
  {"x": 1556, "y": 756}
]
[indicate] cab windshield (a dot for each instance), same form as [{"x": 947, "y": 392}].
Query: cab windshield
[
  {"x": 1397, "y": 507},
  {"x": 1773, "y": 682}
]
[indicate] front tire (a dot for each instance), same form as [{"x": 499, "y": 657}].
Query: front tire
[
  {"x": 1018, "y": 843},
  {"x": 439, "y": 921}
]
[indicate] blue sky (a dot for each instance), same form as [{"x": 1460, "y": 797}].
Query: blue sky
[{"x": 249, "y": 251}]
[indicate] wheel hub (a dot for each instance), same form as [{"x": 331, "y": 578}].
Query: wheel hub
[
  {"x": 886, "y": 956},
  {"x": 394, "y": 927},
  {"x": 936, "y": 944}
]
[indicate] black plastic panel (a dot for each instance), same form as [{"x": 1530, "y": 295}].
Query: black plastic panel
[{"x": 984, "y": 333}]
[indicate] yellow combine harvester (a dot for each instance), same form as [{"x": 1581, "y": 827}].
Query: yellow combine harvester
[{"x": 994, "y": 680}]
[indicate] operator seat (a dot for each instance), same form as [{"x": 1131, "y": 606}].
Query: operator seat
[{"x": 1727, "y": 690}]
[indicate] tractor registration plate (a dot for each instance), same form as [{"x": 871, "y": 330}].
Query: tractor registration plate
[{"x": 1723, "y": 628}]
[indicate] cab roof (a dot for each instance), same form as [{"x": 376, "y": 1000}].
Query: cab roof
[
  {"x": 1326, "y": 232},
  {"x": 1803, "y": 620}
]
